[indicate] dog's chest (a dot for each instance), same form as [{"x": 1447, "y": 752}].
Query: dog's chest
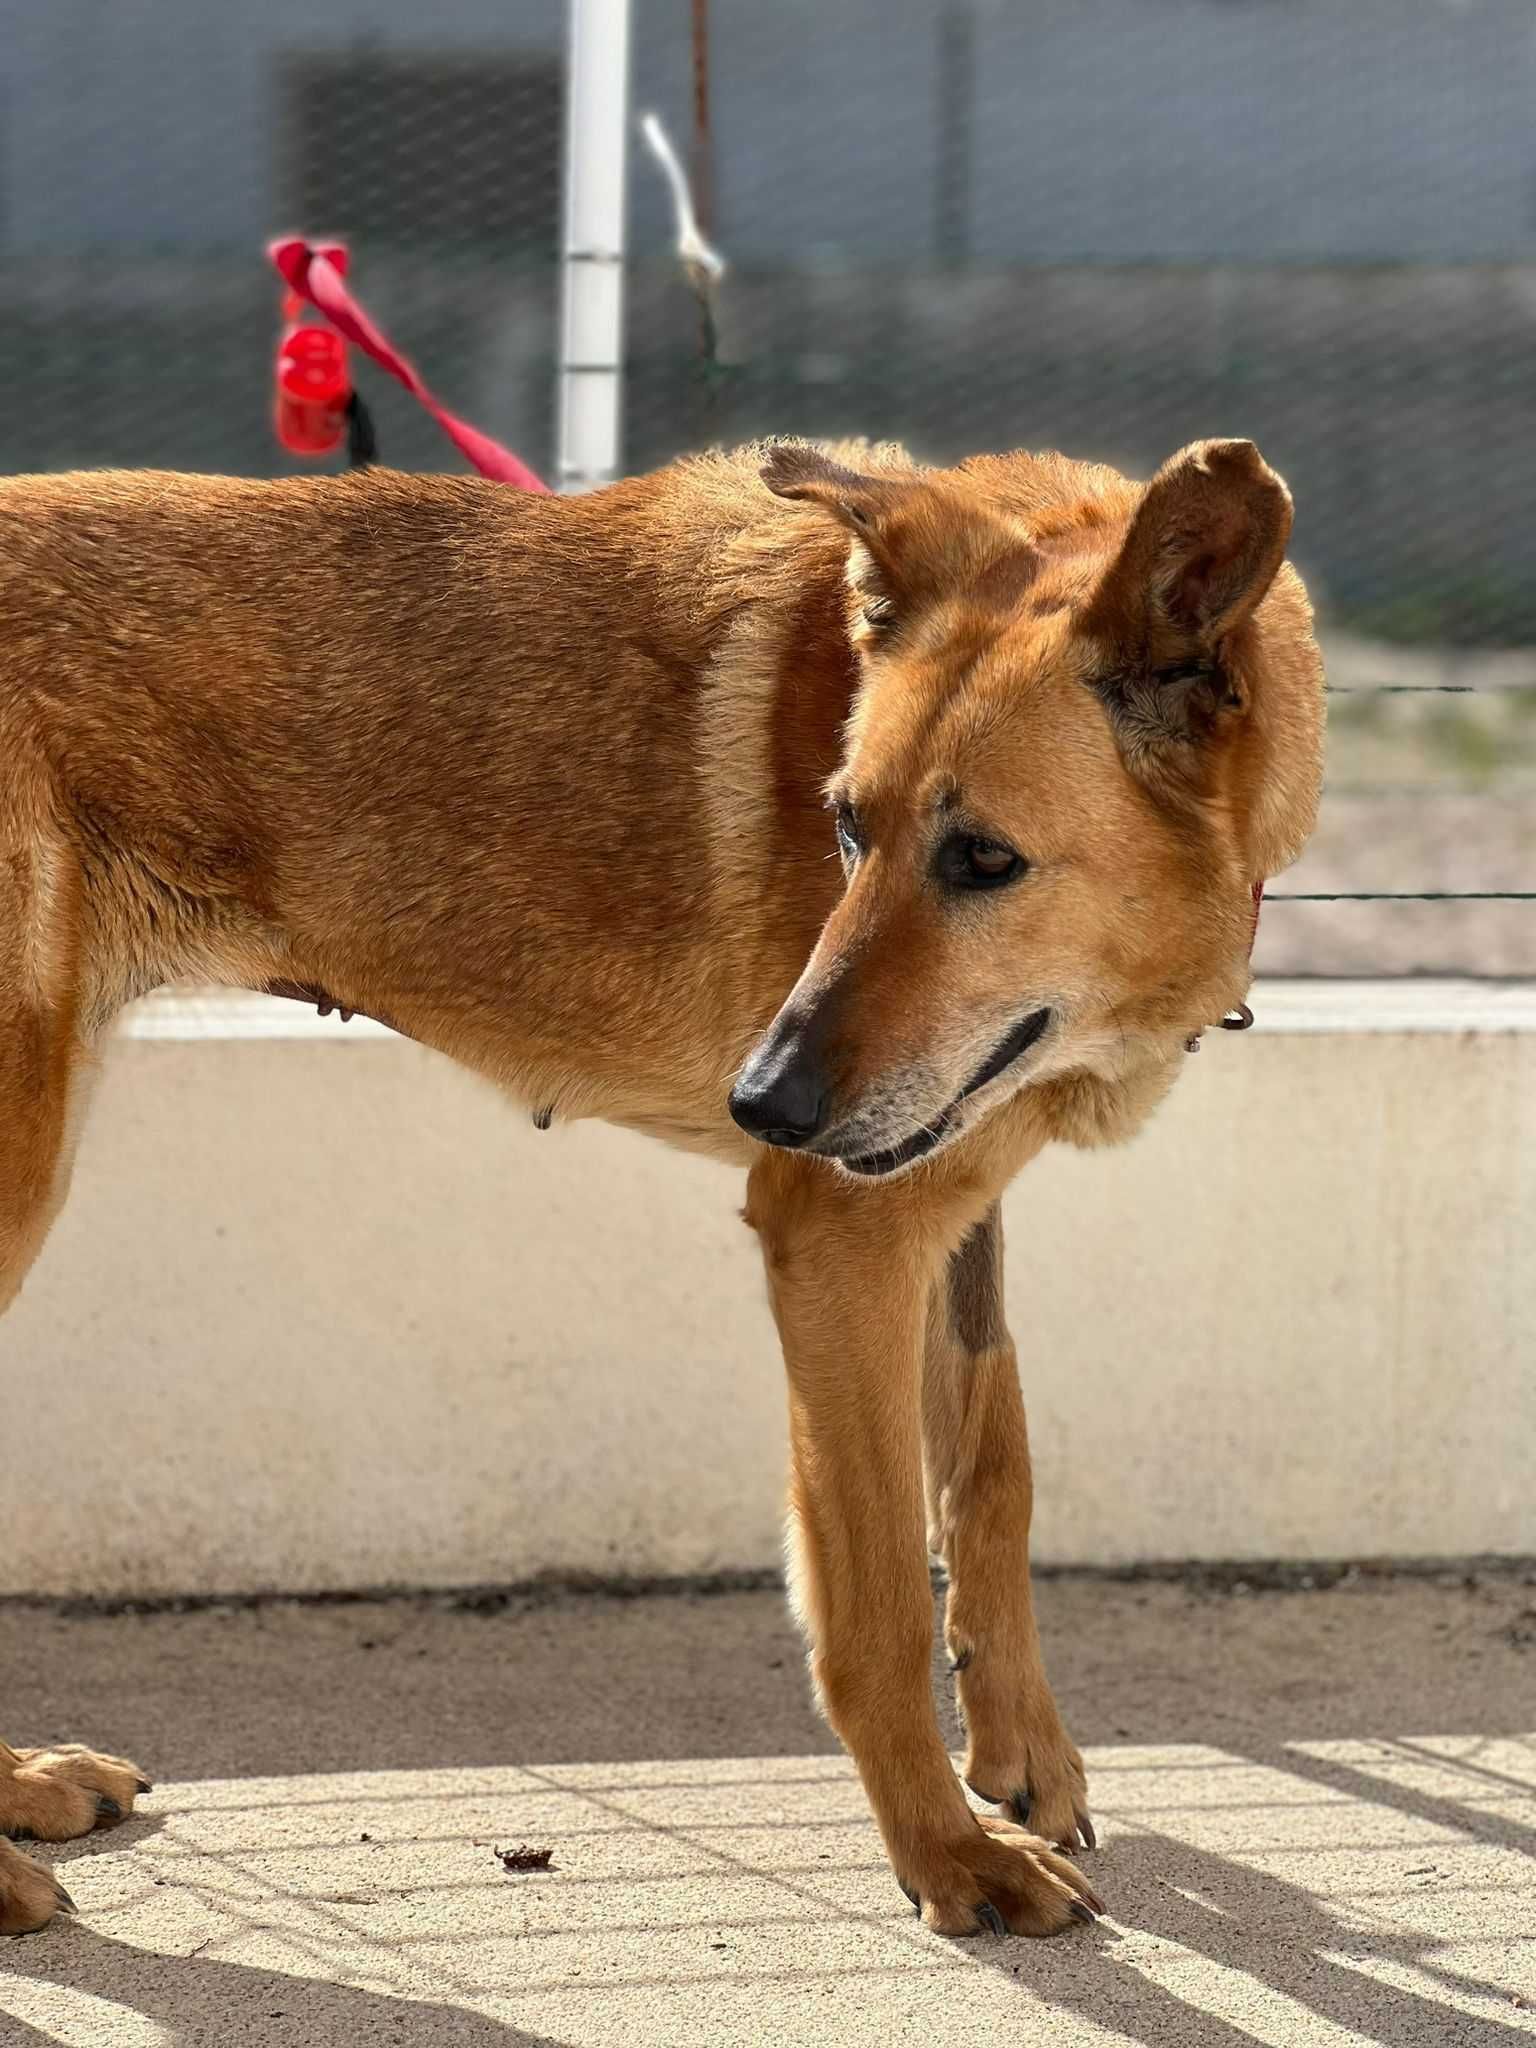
[{"x": 715, "y": 1138}]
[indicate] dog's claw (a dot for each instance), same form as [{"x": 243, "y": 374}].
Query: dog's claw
[
  {"x": 66, "y": 1903},
  {"x": 989, "y": 1917},
  {"x": 1081, "y": 1911},
  {"x": 958, "y": 1663},
  {"x": 107, "y": 1807},
  {"x": 1020, "y": 1802},
  {"x": 143, "y": 1785},
  {"x": 1085, "y": 1829},
  {"x": 912, "y": 1898}
]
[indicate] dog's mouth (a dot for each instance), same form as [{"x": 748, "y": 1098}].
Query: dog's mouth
[{"x": 874, "y": 1165}]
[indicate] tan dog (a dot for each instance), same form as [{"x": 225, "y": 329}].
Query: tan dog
[{"x": 545, "y": 783}]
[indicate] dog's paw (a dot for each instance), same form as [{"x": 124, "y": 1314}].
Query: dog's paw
[
  {"x": 1038, "y": 1782},
  {"x": 57, "y": 1794},
  {"x": 1019, "y": 1756},
  {"x": 30, "y": 1895},
  {"x": 997, "y": 1879}
]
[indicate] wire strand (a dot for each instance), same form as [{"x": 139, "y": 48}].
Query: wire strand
[
  {"x": 1431, "y": 689},
  {"x": 1401, "y": 896}
]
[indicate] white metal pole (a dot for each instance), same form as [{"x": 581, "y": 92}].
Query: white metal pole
[{"x": 592, "y": 259}]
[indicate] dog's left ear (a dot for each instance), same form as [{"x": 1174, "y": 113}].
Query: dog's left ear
[
  {"x": 1204, "y": 547},
  {"x": 914, "y": 541},
  {"x": 867, "y": 506},
  {"x": 859, "y": 502}
]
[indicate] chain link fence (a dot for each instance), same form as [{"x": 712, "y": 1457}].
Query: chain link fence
[{"x": 1107, "y": 226}]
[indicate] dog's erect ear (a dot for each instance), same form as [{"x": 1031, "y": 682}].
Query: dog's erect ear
[
  {"x": 914, "y": 540},
  {"x": 858, "y": 501},
  {"x": 881, "y": 581},
  {"x": 1204, "y": 547}
]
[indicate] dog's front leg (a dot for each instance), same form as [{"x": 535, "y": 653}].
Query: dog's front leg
[
  {"x": 850, "y": 1271},
  {"x": 980, "y": 1498},
  {"x": 54, "y": 1795}
]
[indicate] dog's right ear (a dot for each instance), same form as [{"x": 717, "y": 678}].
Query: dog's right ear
[{"x": 1204, "y": 547}]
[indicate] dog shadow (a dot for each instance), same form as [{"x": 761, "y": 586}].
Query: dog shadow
[
  {"x": 1274, "y": 1933},
  {"x": 197, "y": 2002}
]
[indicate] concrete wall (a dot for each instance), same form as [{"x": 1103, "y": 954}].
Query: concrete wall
[{"x": 323, "y": 1312}]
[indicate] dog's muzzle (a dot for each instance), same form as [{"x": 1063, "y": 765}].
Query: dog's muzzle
[{"x": 872, "y": 1165}]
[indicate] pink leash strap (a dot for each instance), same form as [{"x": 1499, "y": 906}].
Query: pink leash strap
[{"x": 311, "y": 275}]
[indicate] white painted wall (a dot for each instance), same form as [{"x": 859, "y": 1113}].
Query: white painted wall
[{"x": 324, "y": 1312}]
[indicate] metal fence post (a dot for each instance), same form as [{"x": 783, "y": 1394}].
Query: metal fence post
[{"x": 592, "y": 256}]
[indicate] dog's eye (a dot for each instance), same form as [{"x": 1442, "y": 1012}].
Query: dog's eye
[
  {"x": 880, "y": 612},
  {"x": 970, "y": 863},
  {"x": 848, "y": 835},
  {"x": 986, "y": 861}
]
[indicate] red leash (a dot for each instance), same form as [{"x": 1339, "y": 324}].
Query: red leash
[{"x": 314, "y": 275}]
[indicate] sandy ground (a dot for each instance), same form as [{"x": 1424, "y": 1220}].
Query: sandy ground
[{"x": 1316, "y": 1809}]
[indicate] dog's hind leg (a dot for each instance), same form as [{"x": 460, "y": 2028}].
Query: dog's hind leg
[
  {"x": 53, "y": 1794},
  {"x": 850, "y": 1269},
  {"x": 980, "y": 1498}
]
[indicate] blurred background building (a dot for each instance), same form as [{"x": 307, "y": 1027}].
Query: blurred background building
[{"x": 1109, "y": 226}]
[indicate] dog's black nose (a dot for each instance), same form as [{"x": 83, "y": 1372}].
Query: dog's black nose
[{"x": 780, "y": 1095}]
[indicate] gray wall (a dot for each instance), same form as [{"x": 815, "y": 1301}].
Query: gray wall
[
  {"x": 1113, "y": 130},
  {"x": 1106, "y": 225}
]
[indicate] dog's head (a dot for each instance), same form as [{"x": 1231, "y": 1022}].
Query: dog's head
[{"x": 1088, "y": 721}]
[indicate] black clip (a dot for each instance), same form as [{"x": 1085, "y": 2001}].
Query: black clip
[{"x": 1240, "y": 1019}]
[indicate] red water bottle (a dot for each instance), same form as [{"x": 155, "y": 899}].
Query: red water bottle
[{"x": 314, "y": 384}]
